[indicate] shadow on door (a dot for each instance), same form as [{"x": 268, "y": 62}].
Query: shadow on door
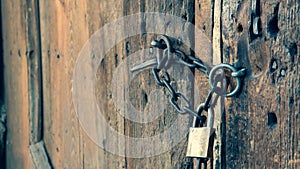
[{"x": 2, "y": 107}]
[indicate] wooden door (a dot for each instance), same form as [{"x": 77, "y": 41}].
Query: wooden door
[
  {"x": 42, "y": 41},
  {"x": 262, "y": 123},
  {"x": 65, "y": 28}
]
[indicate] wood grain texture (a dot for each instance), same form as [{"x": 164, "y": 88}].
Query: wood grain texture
[
  {"x": 21, "y": 44},
  {"x": 219, "y": 108},
  {"x": 65, "y": 27},
  {"x": 262, "y": 123},
  {"x": 16, "y": 83}
]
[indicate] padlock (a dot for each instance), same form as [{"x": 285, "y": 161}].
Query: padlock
[{"x": 200, "y": 140}]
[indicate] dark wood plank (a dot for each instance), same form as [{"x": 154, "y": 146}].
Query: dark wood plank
[{"x": 262, "y": 129}]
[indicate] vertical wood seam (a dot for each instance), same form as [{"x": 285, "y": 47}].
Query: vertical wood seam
[
  {"x": 34, "y": 74},
  {"x": 218, "y": 161},
  {"x": 34, "y": 62}
]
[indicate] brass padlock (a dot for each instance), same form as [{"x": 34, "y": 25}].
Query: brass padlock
[{"x": 200, "y": 141}]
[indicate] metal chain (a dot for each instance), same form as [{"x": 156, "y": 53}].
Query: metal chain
[
  {"x": 216, "y": 74},
  {"x": 164, "y": 62},
  {"x": 164, "y": 81}
]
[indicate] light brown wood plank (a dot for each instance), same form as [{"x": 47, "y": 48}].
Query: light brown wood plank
[
  {"x": 21, "y": 45},
  {"x": 72, "y": 23},
  {"x": 219, "y": 107},
  {"x": 52, "y": 117},
  {"x": 67, "y": 143},
  {"x": 16, "y": 83}
]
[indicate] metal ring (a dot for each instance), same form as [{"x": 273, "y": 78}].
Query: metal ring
[
  {"x": 169, "y": 50},
  {"x": 233, "y": 69}
]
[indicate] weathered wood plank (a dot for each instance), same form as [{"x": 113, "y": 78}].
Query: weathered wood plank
[
  {"x": 208, "y": 19},
  {"x": 218, "y": 109},
  {"x": 67, "y": 144},
  {"x": 262, "y": 128},
  {"x": 23, "y": 39},
  {"x": 61, "y": 128},
  {"x": 175, "y": 157},
  {"x": 66, "y": 25},
  {"x": 16, "y": 83},
  {"x": 99, "y": 14}
]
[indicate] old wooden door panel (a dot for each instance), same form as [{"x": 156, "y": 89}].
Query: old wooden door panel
[
  {"x": 260, "y": 127},
  {"x": 22, "y": 80},
  {"x": 262, "y": 123},
  {"x": 61, "y": 128},
  {"x": 65, "y": 27}
]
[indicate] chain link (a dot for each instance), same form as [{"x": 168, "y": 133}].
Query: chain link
[{"x": 191, "y": 62}]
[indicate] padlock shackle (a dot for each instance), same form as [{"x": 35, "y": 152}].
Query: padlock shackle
[{"x": 210, "y": 116}]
